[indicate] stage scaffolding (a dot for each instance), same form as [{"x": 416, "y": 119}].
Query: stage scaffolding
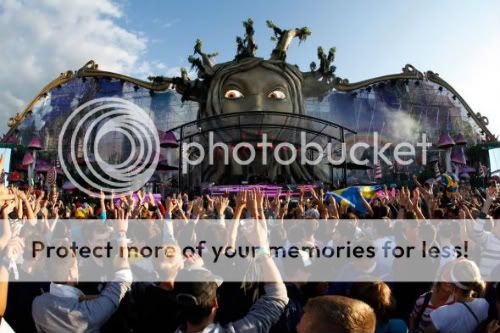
[{"x": 233, "y": 128}]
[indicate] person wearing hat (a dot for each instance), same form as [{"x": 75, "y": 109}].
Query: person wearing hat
[{"x": 469, "y": 310}]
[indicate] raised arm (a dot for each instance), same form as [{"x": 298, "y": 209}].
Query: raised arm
[
  {"x": 12, "y": 251},
  {"x": 478, "y": 225},
  {"x": 232, "y": 229},
  {"x": 415, "y": 206},
  {"x": 98, "y": 310},
  {"x": 29, "y": 211},
  {"x": 102, "y": 205},
  {"x": 269, "y": 307}
]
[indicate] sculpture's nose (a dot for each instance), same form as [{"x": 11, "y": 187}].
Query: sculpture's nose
[{"x": 256, "y": 103}]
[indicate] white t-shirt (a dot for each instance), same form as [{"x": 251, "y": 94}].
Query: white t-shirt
[
  {"x": 456, "y": 318},
  {"x": 4, "y": 327}
]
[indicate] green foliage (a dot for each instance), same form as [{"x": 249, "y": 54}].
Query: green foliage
[
  {"x": 197, "y": 46},
  {"x": 303, "y": 33}
]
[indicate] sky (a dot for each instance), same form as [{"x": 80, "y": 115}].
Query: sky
[{"x": 458, "y": 39}]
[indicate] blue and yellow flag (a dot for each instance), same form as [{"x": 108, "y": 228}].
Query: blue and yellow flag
[
  {"x": 349, "y": 196},
  {"x": 450, "y": 181}
]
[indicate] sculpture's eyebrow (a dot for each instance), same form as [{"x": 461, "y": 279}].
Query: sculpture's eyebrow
[
  {"x": 237, "y": 82},
  {"x": 275, "y": 86}
]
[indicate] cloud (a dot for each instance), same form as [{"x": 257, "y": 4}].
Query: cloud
[{"x": 47, "y": 37}]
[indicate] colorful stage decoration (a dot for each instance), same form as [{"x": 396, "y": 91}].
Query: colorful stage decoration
[
  {"x": 270, "y": 190},
  {"x": 398, "y": 106}
]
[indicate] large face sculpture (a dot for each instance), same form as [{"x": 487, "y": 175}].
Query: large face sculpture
[
  {"x": 254, "y": 84},
  {"x": 257, "y": 89},
  {"x": 247, "y": 86}
]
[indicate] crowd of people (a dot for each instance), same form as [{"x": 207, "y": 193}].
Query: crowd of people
[{"x": 189, "y": 294}]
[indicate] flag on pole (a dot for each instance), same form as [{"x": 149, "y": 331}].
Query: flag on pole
[
  {"x": 437, "y": 173},
  {"x": 451, "y": 183},
  {"x": 378, "y": 171}
]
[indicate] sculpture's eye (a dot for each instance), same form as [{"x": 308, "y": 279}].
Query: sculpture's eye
[
  {"x": 276, "y": 94},
  {"x": 233, "y": 94}
]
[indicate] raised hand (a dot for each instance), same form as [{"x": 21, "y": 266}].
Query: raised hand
[
  {"x": 315, "y": 195},
  {"x": 241, "y": 199},
  {"x": 197, "y": 207},
  {"x": 14, "y": 248},
  {"x": 259, "y": 196},
  {"x": 189, "y": 207},
  {"x": 210, "y": 205},
  {"x": 267, "y": 204},
  {"x": 140, "y": 195},
  {"x": 416, "y": 196},
  {"x": 276, "y": 203},
  {"x": 151, "y": 199},
  {"x": 209, "y": 198},
  {"x": 22, "y": 195},
  {"x": 193, "y": 260},
  {"x": 40, "y": 195},
  {"x": 252, "y": 204},
  {"x": 170, "y": 205},
  {"x": 221, "y": 204},
  {"x": 54, "y": 212},
  {"x": 301, "y": 196},
  {"x": 44, "y": 210},
  {"x": 180, "y": 201},
  {"x": 258, "y": 236},
  {"x": 493, "y": 327},
  {"x": 8, "y": 207},
  {"x": 332, "y": 208},
  {"x": 120, "y": 224},
  {"x": 405, "y": 196}
]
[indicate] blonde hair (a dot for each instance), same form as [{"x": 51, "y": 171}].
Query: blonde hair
[{"x": 340, "y": 314}]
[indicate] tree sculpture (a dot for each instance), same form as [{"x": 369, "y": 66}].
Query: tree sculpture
[
  {"x": 284, "y": 39},
  {"x": 205, "y": 65},
  {"x": 246, "y": 47}
]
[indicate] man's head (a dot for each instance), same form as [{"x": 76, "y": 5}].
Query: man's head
[
  {"x": 197, "y": 298},
  {"x": 337, "y": 314}
]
